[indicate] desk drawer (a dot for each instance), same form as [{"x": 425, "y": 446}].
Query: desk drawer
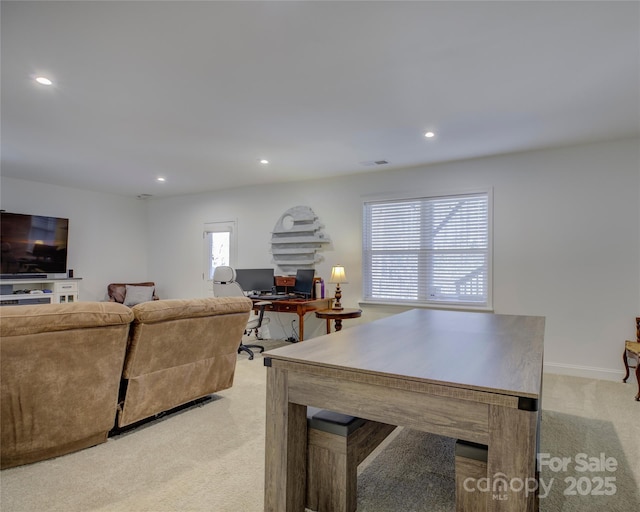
[{"x": 285, "y": 281}]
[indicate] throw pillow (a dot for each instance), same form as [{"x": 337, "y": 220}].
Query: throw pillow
[{"x": 137, "y": 294}]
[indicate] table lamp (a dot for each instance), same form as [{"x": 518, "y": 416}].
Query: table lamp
[{"x": 338, "y": 276}]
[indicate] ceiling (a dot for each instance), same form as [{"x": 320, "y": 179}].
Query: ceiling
[{"x": 199, "y": 92}]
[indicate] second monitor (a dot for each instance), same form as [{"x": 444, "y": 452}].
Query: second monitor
[{"x": 304, "y": 282}]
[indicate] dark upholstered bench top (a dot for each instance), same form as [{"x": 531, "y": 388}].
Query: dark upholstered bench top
[
  {"x": 470, "y": 450},
  {"x": 333, "y": 422}
]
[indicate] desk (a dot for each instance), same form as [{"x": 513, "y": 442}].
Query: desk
[
  {"x": 338, "y": 315},
  {"x": 299, "y": 306},
  {"x": 399, "y": 370}
]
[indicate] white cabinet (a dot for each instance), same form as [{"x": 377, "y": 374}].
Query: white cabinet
[
  {"x": 38, "y": 291},
  {"x": 65, "y": 291}
]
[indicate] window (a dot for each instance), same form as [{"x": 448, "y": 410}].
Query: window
[
  {"x": 219, "y": 246},
  {"x": 431, "y": 251}
]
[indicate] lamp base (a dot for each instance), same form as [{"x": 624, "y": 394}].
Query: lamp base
[{"x": 336, "y": 305}]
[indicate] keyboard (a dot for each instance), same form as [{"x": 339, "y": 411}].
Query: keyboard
[{"x": 271, "y": 296}]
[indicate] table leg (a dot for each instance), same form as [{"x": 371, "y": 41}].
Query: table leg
[
  {"x": 338, "y": 324},
  {"x": 301, "y": 324},
  {"x": 328, "y": 325},
  {"x": 285, "y": 447},
  {"x": 511, "y": 465}
]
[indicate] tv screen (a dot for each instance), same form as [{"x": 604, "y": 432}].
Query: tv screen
[
  {"x": 33, "y": 245},
  {"x": 304, "y": 282},
  {"x": 255, "y": 279}
]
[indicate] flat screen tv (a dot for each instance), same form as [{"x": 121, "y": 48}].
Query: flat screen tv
[{"x": 33, "y": 245}]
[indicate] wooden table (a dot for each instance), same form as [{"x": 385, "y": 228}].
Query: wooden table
[
  {"x": 338, "y": 315},
  {"x": 298, "y": 306},
  {"x": 470, "y": 376}
]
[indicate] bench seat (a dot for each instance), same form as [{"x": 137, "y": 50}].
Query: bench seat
[{"x": 337, "y": 444}]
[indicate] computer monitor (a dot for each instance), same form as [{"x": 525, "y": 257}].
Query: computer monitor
[
  {"x": 255, "y": 279},
  {"x": 304, "y": 282}
]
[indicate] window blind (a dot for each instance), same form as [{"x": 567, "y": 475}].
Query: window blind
[{"x": 427, "y": 250}]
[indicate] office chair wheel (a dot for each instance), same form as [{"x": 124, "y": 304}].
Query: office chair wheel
[{"x": 246, "y": 349}]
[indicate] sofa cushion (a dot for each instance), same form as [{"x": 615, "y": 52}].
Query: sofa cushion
[
  {"x": 173, "y": 309},
  {"x": 30, "y": 319},
  {"x": 61, "y": 368},
  {"x": 180, "y": 350},
  {"x": 137, "y": 294}
]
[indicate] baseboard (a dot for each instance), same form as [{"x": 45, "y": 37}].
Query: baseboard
[{"x": 588, "y": 372}]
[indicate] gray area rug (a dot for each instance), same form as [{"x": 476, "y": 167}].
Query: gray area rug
[
  {"x": 415, "y": 472},
  {"x": 587, "y": 467},
  {"x": 423, "y": 479}
]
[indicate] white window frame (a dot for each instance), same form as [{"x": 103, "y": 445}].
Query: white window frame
[
  {"x": 230, "y": 227},
  {"x": 419, "y": 256}
]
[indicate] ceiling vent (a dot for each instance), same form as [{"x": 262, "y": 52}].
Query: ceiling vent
[
  {"x": 371, "y": 163},
  {"x": 144, "y": 196}
]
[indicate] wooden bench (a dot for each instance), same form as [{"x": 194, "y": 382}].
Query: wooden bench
[
  {"x": 471, "y": 466},
  {"x": 471, "y": 462},
  {"x": 337, "y": 444}
]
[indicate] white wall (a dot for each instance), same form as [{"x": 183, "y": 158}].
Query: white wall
[
  {"x": 566, "y": 239},
  {"x": 107, "y": 233}
]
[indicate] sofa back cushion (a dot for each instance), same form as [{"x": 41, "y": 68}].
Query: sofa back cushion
[
  {"x": 179, "y": 351},
  {"x": 168, "y": 333},
  {"x": 24, "y": 320},
  {"x": 61, "y": 366}
]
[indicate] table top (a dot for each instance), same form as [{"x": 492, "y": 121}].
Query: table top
[
  {"x": 480, "y": 351},
  {"x": 339, "y": 313}
]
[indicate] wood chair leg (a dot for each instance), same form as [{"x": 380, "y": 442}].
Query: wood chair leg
[
  {"x": 638, "y": 377},
  {"x": 626, "y": 365}
]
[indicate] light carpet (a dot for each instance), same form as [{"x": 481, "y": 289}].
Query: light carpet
[{"x": 211, "y": 458}]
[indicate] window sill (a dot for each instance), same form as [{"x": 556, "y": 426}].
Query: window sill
[{"x": 409, "y": 305}]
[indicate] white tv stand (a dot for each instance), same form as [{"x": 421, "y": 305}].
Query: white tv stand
[{"x": 58, "y": 291}]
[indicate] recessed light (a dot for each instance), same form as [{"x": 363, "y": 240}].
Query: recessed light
[
  {"x": 43, "y": 80},
  {"x": 429, "y": 135},
  {"x": 161, "y": 179},
  {"x": 264, "y": 161}
]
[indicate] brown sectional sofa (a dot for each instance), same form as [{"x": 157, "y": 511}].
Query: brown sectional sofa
[{"x": 70, "y": 372}]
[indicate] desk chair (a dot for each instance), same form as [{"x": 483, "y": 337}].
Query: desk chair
[
  {"x": 632, "y": 350},
  {"x": 225, "y": 285}
]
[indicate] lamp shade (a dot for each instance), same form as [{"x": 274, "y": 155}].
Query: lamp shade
[{"x": 338, "y": 275}]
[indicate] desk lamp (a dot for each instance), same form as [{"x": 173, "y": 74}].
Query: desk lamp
[{"x": 338, "y": 276}]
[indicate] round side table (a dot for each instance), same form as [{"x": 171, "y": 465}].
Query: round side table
[{"x": 338, "y": 315}]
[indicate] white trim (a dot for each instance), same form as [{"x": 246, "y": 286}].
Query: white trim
[
  {"x": 431, "y": 193},
  {"x": 227, "y": 226},
  {"x": 414, "y": 305},
  {"x": 589, "y": 372}
]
